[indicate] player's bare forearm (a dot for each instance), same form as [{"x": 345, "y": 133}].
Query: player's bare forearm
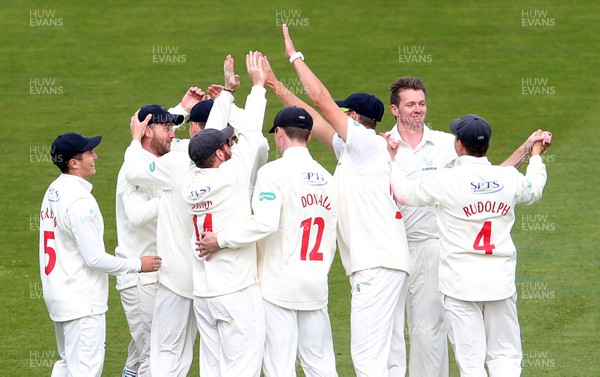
[
  {"x": 520, "y": 154},
  {"x": 321, "y": 130},
  {"x": 317, "y": 92}
]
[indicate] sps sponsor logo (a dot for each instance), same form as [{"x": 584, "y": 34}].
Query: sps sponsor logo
[
  {"x": 53, "y": 194},
  {"x": 486, "y": 187},
  {"x": 197, "y": 194},
  {"x": 314, "y": 179}
]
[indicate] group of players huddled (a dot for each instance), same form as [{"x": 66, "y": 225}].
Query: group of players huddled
[{"x": 214, "y": 239}]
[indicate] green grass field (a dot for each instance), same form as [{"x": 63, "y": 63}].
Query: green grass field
[{"x": 87, "y": 66}]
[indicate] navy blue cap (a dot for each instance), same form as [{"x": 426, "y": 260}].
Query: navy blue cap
[
  {"x": 200, "y": 111},
  {"x": 159, "y": 115},
  {"x": 472, "y": 130},
  {"x": 292, "y": 117},
  {"x": 364, "y": 104},
  {"x": 206, "y": 142},
  {"x": 68, "y": 145}
]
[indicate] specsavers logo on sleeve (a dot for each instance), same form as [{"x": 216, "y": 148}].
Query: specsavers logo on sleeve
[{"x": 266, "y": 196}]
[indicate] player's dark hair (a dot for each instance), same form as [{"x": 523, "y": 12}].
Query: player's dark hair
[
  {"x": 477, "y": 150},
  {"x": 296, "y": 133},
  {"x": 63, "y": 163},
  {"x": 367, "y": 122},
  {"x": 404, "y": 83}
]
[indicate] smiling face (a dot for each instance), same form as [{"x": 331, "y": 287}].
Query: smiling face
[
  {"x": 83, "y": 164},
  {"x": 411, "y": 108},
  {"x": 161, "y": 136}
]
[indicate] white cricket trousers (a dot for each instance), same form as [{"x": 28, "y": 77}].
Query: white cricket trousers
[
  {"x": 173, "y": 334},
  {"x": 81, "y": 346},
  {"x": 424, "y": 315},
  {"x": 377, "y": 307},
  {"x": 485, "y": 332},
  {"x": 302, "y": 333},
  {"x": 138, "y": 305},
  {"x": 232, "y": 333}
]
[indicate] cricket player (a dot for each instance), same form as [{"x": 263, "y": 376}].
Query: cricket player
[
  {"x": 173, "y": 330},
  {"x": 73, "y": 261},
  {"x": 424, "y": 152},
  {"x": 136, "y": 215},
  {"x": 227, "y": 303},
  {"x": 474, "y": 203},
  {"x": 371, "y": 236},
  {"x": 294, "y": 220}
]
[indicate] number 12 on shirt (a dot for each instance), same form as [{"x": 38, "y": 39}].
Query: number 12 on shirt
[{"x": 307, "y": 226}]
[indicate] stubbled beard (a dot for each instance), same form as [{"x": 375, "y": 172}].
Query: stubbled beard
[{"x": 159, "y": 147}]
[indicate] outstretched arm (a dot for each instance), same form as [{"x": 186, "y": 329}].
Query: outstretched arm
[
  {"x": 516, "y": 159},
  {"x": 321, "y": 129},
  {"x": 317, "y": 92}
]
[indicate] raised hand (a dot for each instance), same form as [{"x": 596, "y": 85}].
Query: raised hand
[
  {"x": 191, "y": 97},
  {"x": 289, "y": 45},
  {"x": 232, "y": 81},
  {"x": 271, "y": 79},
  {"x": 256, "y": 72}
]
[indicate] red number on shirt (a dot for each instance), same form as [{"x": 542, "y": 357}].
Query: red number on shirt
[
  {"x": 306, "y": 226},
  {"x": 50, "y": 251},
  {"x": 207, "y": 227},
  {"x": 484, "y": 238}
]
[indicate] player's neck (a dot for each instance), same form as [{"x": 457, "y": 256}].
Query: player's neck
[{"x": 411, "y": 133}]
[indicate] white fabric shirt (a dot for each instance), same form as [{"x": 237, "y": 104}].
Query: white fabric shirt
[
  {"x": 220, "y": 197},
  {"x": 173, "y": 231},
  {"x": 136, "y": 214},
  {"x": 73, "y": 261},
  {"x": 371, "y": 230},
  {"x": 475, "y": 206},
  {"x": 294, "y": 206},
  {"x": 434, "y": 153}
]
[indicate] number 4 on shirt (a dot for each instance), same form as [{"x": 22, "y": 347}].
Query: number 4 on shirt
[{"x": 484, "y": 239}]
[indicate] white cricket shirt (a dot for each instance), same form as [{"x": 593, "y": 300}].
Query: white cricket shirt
[
  {"x": 371, "y": 230},
  {"x": 475, "y": 205},
  {"x": 173, "y": 230},
  {"x": 136, "y": 214},
  {"x": 219, "y": 198},
  {"x": 294, "y": 206},
  {"x": 434, "y": 153},
  {"x": 73, "y": 261}
]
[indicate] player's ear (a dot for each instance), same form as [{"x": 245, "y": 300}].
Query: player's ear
[{"x": 394, "y": 110}]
